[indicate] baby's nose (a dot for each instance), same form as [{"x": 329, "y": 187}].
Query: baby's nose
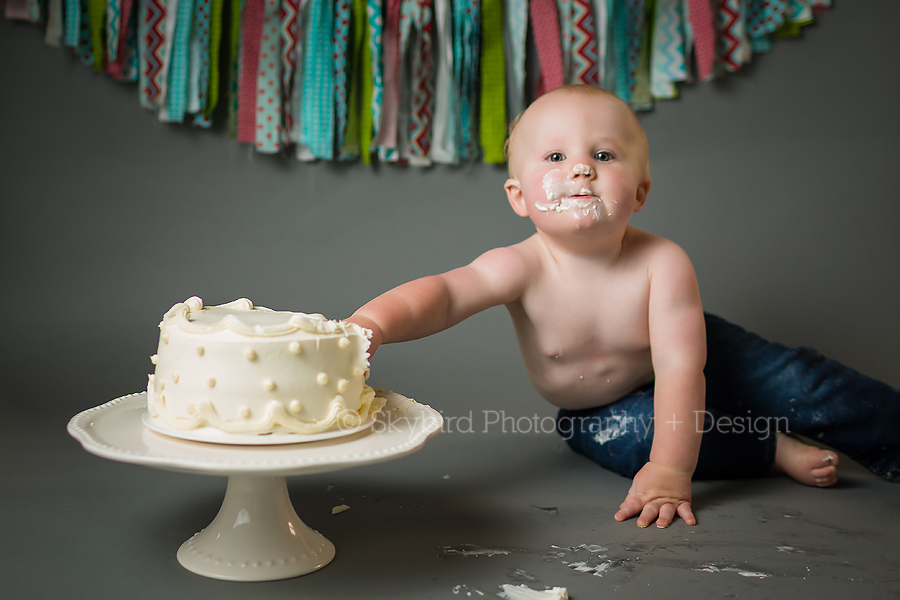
[{"x": 581, "y": 169}]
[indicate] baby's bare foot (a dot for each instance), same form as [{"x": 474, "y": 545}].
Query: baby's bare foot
[{"x": 807, "y": 464}]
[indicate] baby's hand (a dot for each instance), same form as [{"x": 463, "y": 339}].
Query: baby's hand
[{"x": 658, "y": 491}]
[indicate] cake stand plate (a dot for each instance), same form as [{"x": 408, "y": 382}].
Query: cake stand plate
[{"x": 257, "y": 535}]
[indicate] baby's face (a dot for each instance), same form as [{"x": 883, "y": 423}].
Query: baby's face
[{"x": 577, "y": 160}]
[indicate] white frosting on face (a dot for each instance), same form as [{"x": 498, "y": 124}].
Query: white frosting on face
[{"x": 560, "y": 188}]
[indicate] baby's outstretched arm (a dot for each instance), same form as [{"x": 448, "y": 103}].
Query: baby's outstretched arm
[
  {"x": 662, "y": 488},
  {"x": 432, "y": 304}
]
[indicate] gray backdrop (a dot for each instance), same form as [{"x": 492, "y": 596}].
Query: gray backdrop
[{"x": 778, "y": 181}]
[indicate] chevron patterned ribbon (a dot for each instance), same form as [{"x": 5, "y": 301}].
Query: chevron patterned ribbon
[
  {"x": 288, "y": 33},
  {"x": 113, "y": 28},
  {"x": 151, "y": 17},
  {"x": 493, "y": 122},
  {"x": 545, "y": 26},
  {"x": 667, "y": 64},
  {"x": 418, "y": 80},
  {"x": 584, "y": 44},
  {"x": 417, "y": 35},
  {"x": 733, "y": 45},
  {"x": 443, "y": 142}
]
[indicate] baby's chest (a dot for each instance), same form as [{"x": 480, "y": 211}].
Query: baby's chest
[{"x": 603, "y": 316}]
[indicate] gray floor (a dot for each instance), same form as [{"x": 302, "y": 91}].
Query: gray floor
[
  {"x": 779, "y": 182},
  {"x": 467, "y": 513}
]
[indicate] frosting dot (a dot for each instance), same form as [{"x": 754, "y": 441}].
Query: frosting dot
[
  {"x": 175, "y": 377},
  {"x": 343, "y": 342},
  {"x": 192, "y": 408},
  {"x": 162, "y": 385},
  {"x": 165, "y": 338},
  {"x": 154, "y": 358},
  {"x": 200, "y": 350},
  {"x": 295, "y": 406},
  {"x": 295, "y": 347},
  {"x": 358, "y": 371},
  {"x": 322, "y": 378},
  {"x": 250, "y": 354},
  {"x": 243, "y": 412},
  {"x": 211, "y": 382},
  {"x": 343, "y": 385},
  {"x": 268, "y": 384}
]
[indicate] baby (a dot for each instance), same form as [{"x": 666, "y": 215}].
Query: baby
[{"x": 612, "y": 331}]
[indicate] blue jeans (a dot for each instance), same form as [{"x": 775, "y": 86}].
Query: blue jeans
[{"x": 753, "y": 389}]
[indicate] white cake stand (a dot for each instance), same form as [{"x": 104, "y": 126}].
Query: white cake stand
[{"x": 257, "y": 535}]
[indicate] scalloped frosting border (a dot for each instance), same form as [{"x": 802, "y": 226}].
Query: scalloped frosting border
[{"x": 274, "y": 417}]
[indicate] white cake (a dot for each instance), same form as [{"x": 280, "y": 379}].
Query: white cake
[{"x": 251, "y": 370}]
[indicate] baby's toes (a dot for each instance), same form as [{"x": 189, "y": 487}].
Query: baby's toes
[{"x": 825, "y": 476}]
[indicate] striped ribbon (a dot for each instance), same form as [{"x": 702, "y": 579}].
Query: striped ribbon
[
  {"x": 601, "y": 26},
  {"x": 628, "y": 24},
  {"x": 493, "y": 83},
  {"x": 733, "y": 46},
  {"x": 55, "y": 16},
  {"x": 234, "y": 68},
  {"x": 72, "y": 23}
]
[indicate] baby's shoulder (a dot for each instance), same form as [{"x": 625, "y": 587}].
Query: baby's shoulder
[{"x": 654, "y": 250}]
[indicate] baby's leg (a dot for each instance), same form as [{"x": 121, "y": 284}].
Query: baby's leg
[
  {"x": 619, "y": 437},
  {"x": 799, "y": 391},
  {"x": 807, "y": 464}
]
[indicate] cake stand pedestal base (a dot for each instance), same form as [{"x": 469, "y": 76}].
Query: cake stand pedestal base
[{"x": 257, "y": 536}]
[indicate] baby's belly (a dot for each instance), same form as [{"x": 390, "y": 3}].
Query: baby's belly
[{"x": 578, "y": 384}]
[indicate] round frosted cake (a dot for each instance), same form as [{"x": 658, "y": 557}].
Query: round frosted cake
[{"x": 246, "y": 369}]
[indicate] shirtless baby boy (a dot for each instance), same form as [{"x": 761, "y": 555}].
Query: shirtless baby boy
[{"x": 608, "y": 317}]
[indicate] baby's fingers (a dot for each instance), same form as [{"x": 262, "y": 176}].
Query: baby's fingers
[
  {"x": 630, "y": 507},
  {"x": 685, "y": 512},
  {"x": 650, "y": 512}
]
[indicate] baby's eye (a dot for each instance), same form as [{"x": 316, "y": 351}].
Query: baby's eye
[
  {"x": 556, "y": 157},
  {"x": 603, "y": 156}
]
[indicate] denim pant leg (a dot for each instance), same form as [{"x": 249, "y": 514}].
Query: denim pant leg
[
  {"x": 619, "y": 436},
  {"x": 797, "y": 390}
]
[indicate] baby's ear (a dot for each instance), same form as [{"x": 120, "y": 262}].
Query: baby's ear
[
  {"x": 515, "y": 197},
  {"x": 642, "y": 192}
]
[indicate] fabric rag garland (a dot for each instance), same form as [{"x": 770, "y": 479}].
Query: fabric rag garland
[{"x": 407, "y": 81}]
